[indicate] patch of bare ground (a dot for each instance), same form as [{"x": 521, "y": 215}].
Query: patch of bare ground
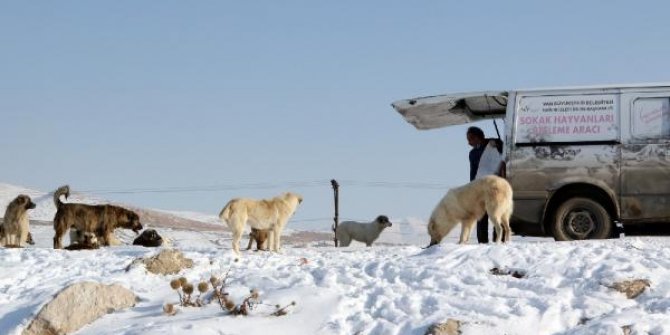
[{"x": 298, "y": 238}]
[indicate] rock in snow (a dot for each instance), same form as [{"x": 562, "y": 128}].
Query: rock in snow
[
  {"x": 166, "y": 262},
  {"x": 78, "y": 305}
]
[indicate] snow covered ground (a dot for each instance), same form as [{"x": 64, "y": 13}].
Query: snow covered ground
[
  {"x": 358, "y": 290},
  {"x": 395, "y": 287}
]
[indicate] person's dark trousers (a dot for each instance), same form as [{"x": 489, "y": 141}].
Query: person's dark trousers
[{"x": 483, "y": 230}]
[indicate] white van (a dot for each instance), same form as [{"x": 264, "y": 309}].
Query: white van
[{"x": 579, "y": 159}]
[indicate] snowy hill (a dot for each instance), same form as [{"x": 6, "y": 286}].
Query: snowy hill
[{"x": 378, "y": 290}]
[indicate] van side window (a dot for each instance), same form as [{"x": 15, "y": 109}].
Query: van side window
[{"x": 651, "y": 118}]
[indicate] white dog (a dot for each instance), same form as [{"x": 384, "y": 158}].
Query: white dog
[
  {"x": 467, "y": 204},
  {"x": 363, "y": 232},
  {"x": 272, "y": 214}
]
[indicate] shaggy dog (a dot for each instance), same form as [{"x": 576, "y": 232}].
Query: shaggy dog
[
  {"x": 29, "y": 239},
  {"x": 467, "y": 204},
  {"x": 271, "y": 214},
  {"x": 363, "y": 232},
  {"x": 100, "y": 220},
  {"x": 15, "y": 227},
  {"x": 149, "y": 238},
  {"x": 259, "y": 236}
]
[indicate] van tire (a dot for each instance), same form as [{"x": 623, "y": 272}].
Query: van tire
[{"x": 581, "y": 219}]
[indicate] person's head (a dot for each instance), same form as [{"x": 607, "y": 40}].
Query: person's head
[{"x": 475, "y": 136}]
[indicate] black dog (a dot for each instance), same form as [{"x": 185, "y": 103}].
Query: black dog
[{"x": 149, "y": 238}]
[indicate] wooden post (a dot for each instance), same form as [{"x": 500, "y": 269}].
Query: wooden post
[{"x": 336, "y": 188}]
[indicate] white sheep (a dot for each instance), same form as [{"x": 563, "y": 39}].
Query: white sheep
[{"x": 363, "y": 232}]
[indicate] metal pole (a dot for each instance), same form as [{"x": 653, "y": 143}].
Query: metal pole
[
  {"x": 497, "y": 131},
  {"x": 336, "y": 188}
]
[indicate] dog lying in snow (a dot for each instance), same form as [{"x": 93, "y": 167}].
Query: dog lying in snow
[
  {"x": 82, "y": 240},
  {"x": 149, "y": 238},
  {"x": 467, "y": 204},
  {"x": 363, "y": 232}
]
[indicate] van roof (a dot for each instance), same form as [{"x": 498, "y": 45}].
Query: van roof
[
  {"x": 596, "y": 87},
  {"x": 439, "y": 111}
]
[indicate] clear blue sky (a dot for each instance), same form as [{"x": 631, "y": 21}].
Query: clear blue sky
[{"x": 121, "y": 95}]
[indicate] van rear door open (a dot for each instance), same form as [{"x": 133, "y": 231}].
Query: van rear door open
[{"x": 452, "y": 109}]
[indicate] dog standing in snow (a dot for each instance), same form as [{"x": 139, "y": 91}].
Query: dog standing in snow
[
  {"x": 467, "y": 204},
  {"x": 271, "y": 214},
  {"x": 15, "y": 227},
  {"x": 101, "y": 220},
  {"x": 259, "y": 236},
  {"x": 366, "y": 232}
]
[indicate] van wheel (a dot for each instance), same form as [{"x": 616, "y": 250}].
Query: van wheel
[{"x": 581, "y": 219}]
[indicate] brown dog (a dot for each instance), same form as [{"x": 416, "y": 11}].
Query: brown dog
[
  {"x": 15, "y": 227},
  {"x": 101, "y": 220},
  {"x": 29, "y": 239},
  {"x": 259, "y": 236}
]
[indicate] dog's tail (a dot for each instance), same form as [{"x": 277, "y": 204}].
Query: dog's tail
[
  {"x": 224, "y": 215},
  {"x": 63, "y": 190}
]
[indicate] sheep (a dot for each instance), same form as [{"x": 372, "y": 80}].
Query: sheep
[{"x": 362, "y": 232}]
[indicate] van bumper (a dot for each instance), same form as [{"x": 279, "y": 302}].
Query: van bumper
[
  {"x": 527, "y": 217},
  {"x": 522, "y": 228}
]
